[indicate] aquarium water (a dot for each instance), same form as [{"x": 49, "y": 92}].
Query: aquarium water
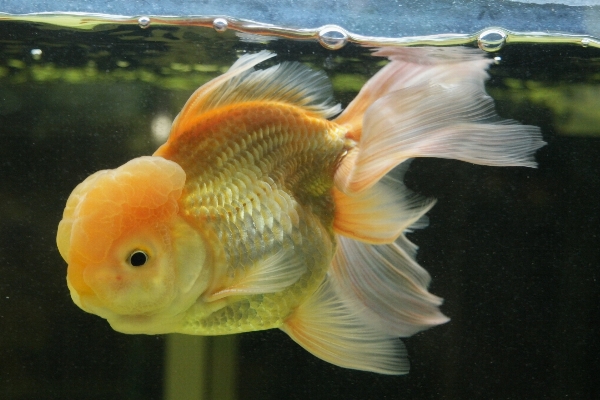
[{"x": 515, "y": 252}]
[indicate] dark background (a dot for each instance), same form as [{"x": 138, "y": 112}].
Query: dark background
[{"x": 513, "y": 251}]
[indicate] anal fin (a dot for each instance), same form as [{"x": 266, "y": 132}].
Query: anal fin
[{"x": 330, "y": 329}]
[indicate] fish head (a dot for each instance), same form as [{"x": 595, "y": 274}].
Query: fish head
[{"x": 132, "y": 259}]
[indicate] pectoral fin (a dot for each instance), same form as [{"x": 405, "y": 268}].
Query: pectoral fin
[{"x": 269, "y": 275}]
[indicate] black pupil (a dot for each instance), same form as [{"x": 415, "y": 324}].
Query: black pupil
[{"x": 138, "y": 258}]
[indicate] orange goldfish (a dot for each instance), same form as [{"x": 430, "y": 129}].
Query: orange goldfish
[{"x": 264, "y": 211}]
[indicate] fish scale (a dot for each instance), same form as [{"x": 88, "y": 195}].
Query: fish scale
[{"x": 273, "y": 163}]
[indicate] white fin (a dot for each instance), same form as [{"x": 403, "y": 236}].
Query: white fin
[
  {"x": 289, "y": 82},
  {"x": 414, "y": 66},
  {"x": 200, "y": 99},
  {"x": 269, "y": 275},
  {"x": 380, "y": 214},
  {"x": 387, "y": 284},
  {"x": 429, "y": 103},
  {"x": 330, "y": 329}
]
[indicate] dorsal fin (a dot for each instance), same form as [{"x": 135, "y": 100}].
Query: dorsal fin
[{"x": 288, "y": 82}]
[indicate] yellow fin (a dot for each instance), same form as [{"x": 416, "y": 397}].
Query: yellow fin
[
  {"x": 288, "y": 82},
  {"x": 272, "y": 274},
  {"x": 330, "y": 329}
]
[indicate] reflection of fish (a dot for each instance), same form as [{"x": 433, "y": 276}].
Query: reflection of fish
[{"x": 260, "y": 213}]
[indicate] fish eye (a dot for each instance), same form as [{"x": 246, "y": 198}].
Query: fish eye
[{"x": 138, "y": 258}]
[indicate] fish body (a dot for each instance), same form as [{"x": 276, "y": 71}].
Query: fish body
[
  {"x": 260, "y": 179},
  {"x": 261, "y": 211}
]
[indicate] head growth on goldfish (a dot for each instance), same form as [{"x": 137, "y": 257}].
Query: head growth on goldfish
[
  {"x": 260, "y": 212},
  {"x": 117, "y": 236}
]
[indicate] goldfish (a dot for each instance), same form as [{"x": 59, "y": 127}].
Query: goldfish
[{"x": 270, "y": 207}]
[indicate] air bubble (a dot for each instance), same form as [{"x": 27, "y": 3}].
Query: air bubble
[
  {"x": 333, "y": 37},
  {"x": 220, "y": 24},
  {"x": 491, "y": 40},
  {"x": 144, "y": 22},
  {"x": 585, "y": 42},
  {"x": 36, "y": 54}
]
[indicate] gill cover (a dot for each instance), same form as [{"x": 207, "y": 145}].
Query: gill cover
[{"x": 118, "y": 236}]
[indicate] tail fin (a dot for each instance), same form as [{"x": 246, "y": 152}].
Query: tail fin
[
  {"x": 374, "y": 267},
  {"x": 424, "y": 103},
  {"x": 413, "y": 67},
  {"x": 429, "y": 103},
  {"x": 374, "y": 292}
]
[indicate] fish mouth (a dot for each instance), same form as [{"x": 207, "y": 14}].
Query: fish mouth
[
  {"x": 145, "y": 324},
  {"x": 130, "y": 324},
  {"x": 149, "y": 323}
]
